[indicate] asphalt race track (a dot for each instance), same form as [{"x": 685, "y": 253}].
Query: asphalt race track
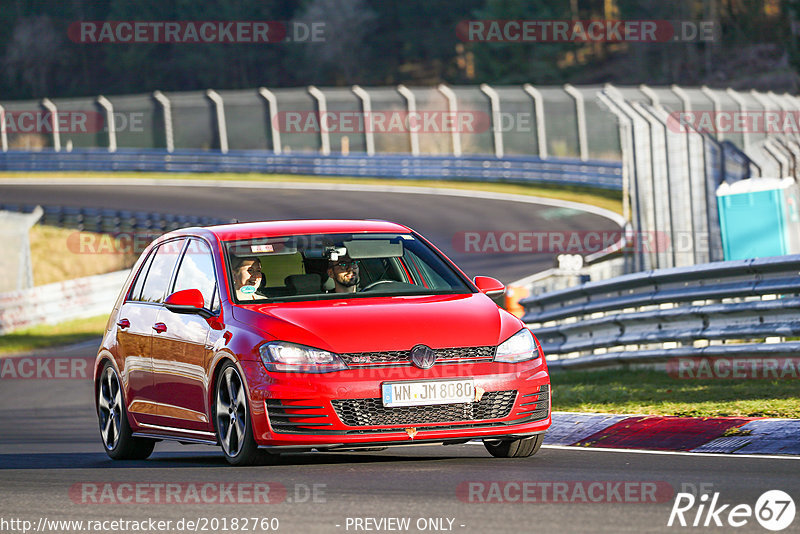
[
  {"x": 53, "y": 468},
  {"x": 440, "y": 218}
]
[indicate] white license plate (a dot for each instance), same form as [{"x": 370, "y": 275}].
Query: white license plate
[{"x": 428, "y": 392}]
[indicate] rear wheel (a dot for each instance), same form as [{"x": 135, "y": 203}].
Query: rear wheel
[
  {"x": 115, "y": 430},
  {"x": 232, "y": 418},
  {"x": 514, "y": 448}
]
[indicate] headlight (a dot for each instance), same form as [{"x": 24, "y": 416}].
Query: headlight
[
  {"x": 282, "y": 356},
  {"x": 520, "y": 347}
]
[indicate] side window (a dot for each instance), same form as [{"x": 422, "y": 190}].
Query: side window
[
  {"x": 140, "y": 278},
  {"x": 197, "y": 272},
  {"x": 158, "y": 277}
]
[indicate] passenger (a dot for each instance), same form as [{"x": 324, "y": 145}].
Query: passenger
[
  {"x": 247, "y": 278},
  {"x": 344, "y": 273}
]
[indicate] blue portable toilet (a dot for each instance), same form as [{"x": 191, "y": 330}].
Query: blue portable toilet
[{"x": 759, "y": 217}]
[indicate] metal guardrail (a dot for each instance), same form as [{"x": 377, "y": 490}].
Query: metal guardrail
[
  {"x": 518, "y": 169},
  {"x": 653, "y": 316}
]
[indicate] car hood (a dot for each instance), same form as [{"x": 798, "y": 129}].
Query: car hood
[{"x": 384, "y": 323}]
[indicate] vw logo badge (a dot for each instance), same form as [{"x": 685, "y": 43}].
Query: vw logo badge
[{"x": 423, "y": 356}]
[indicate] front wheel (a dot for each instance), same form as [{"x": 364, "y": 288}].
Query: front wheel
[
  {"x": 115, "y": 430},
  {"x": 514, "y": 448},
  {"x": 232, "y": 418}
]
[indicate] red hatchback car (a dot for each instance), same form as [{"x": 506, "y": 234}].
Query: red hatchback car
[{"x": 313, "y": 335}]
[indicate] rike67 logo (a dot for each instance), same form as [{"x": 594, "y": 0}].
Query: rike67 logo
[{"x": 774, "y": 510}]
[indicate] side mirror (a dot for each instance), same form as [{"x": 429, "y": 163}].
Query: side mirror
[
  {"x": 187, "y": 301},
  {"x": 489, "y": 286}
]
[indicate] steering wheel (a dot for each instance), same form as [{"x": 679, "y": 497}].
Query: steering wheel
[{"x": 376, "y": 283}]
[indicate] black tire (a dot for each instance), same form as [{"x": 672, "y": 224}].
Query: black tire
[
  {"x": 232, "y": 420},
  {"x": 514, "y": 448},
  {"x": 115, "y": 431}
]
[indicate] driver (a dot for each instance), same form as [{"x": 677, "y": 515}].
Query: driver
[
  {"x": 246, "y": 278},
  {"x": 344, "y": 273}
]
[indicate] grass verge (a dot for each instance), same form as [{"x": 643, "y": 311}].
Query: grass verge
[
  {"x": 657, "y": 393},
  {"x": 43, "y": 336},
  {"x": 610, "y": 200},
  {"x": 56, "y": 255}
]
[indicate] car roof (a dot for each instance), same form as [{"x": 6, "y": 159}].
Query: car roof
[{"x": 230, "y": 232}]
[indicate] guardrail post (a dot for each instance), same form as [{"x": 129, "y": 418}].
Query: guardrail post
[
  {"x": 166, "y": 108},
  {"x": 49, "y": 106},
  {"x": 322, "y": 107},
  {"x": 366, "y": 107},
  {"x": 222, "y": 129},
  {"x": 580, "y": 115},
  {"x": 497, "y": 132},
  {"x": 272, "y": 105},
  {"x": 538, "y": 108},
  {"x": 452, "y": 105},
  {"x": 112, "y": 126},
  {"x": 3, "y": 133},
  {"x": 411, "y": 108}
]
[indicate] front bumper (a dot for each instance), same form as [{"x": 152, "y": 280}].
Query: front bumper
[{"x": 343, "y": 409}]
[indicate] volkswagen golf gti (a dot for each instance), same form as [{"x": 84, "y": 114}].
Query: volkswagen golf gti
[{"x": 306, "y": 335}]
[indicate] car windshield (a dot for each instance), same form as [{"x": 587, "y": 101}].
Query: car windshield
[{"x": 331, "y": 266}]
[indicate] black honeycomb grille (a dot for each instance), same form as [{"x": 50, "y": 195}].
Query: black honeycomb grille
[
  {"x": 371, "y": 412},
  {"x": 402, "y": 357},
  {"x": 535, "y": 406}
]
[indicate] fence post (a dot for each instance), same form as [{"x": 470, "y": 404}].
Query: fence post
[
  {"x": 580, "y": 115},
  {"x": 272, "y": 105},
  {"x": 661, "y": 183},
  {"x": 322, "y": 106},
  {"x": 497, "y": 132},
  {"x": 452, "y": 105},
  {"x": 632, "y": 163},
  {"x": 538, "y": 108},
  {"x": 3, "y": 133},
  {"x": 411, "y": 107},
  {"x": 162, "y": 99},
  {"x": 366, "y": 107},
  {"x": 736, "y": 97},
  {"x": 222, "y": 129},
  {"x": 717, "y": 108},
  {"x": 655, "y": 101},
  {"x": 112, "y": 127},
  {"x": 49, "y": 106}
]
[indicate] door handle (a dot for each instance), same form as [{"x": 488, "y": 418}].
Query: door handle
[
  {"x": 124, "y": 323},
  {"x": 160, "y": 328}
]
